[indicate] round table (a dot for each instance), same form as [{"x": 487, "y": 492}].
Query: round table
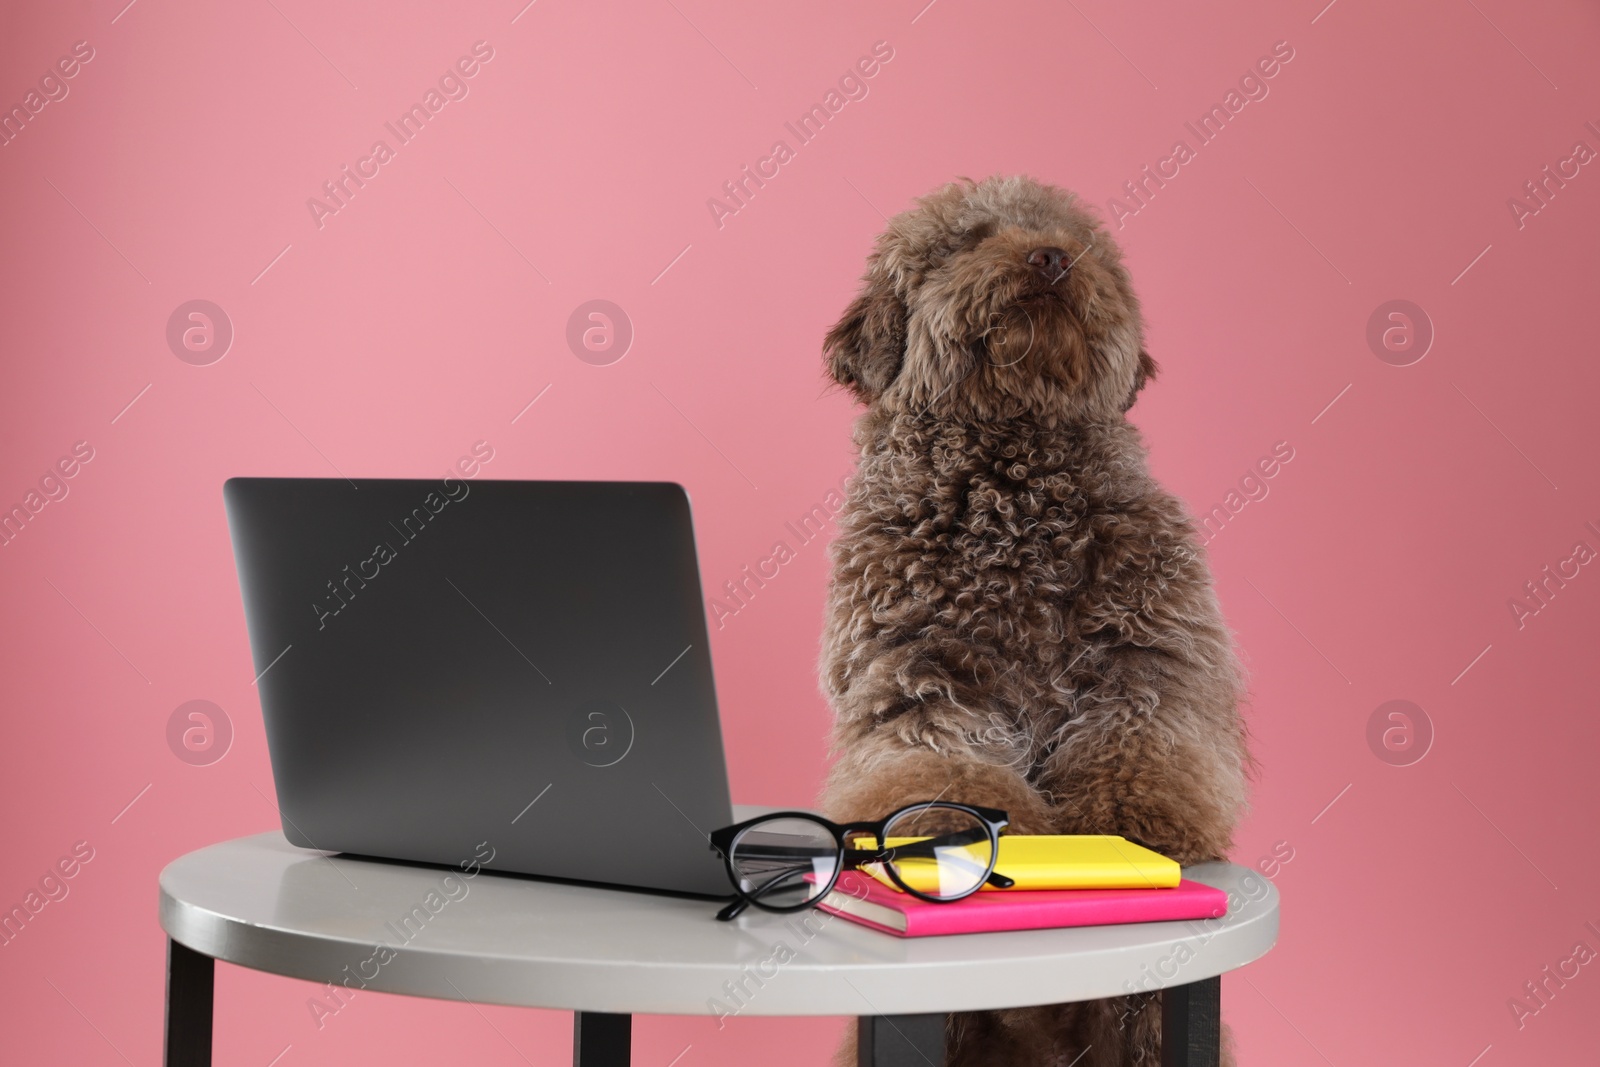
[{"x": 606, "y": 954}]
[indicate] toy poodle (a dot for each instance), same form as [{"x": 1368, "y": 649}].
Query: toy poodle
[{"x": 1019, "y": 616}]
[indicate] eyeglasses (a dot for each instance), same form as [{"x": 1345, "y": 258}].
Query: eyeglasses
[{"x": 789, "y": 860}]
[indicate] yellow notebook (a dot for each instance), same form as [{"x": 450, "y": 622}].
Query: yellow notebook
[{"x": 1069, "y": 861}]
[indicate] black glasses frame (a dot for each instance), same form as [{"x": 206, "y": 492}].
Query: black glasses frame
[{"x": 722, "y": 841}]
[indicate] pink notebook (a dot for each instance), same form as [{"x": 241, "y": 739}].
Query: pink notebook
[{"x": 861, "y": 899}]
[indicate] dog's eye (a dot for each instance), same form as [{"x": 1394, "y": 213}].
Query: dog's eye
[{"x": 955, "y": 241}]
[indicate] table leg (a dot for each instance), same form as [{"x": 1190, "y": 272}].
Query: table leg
[
  {"x": 1191, "y": 1024},
  {"x": 601, "y": 1039},
  {"x": 900, "y": 1040},
  {"x": 190, "y": 982}
]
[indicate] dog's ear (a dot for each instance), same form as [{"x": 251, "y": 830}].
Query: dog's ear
[
  {"x": 866, "y": 347},
  {"x": 1145, "y": 370}
]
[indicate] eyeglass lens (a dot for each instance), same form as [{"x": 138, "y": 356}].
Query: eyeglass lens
[
  {"x": 785, "y": 862},
  {"x": 940, "y": 851}
]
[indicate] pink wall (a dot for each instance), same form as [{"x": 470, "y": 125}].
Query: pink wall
[{"x": 426, "y": 313}]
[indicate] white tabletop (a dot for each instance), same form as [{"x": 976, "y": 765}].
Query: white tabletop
[{"x": 263, "y": 903}]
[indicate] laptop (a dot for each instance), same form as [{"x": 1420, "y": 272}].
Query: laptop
[{"x": 453, "y": 669}]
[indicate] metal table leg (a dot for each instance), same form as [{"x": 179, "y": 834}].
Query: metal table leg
[
  {"x": 900, "y": 1040},
  {"x": 601, "y": 1039},
  {"x": 190, "y": 982},
  {"x": 1191, "y": 1024}
]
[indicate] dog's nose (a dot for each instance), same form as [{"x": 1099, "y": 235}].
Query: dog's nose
[{"x": 1050, "y": 260}]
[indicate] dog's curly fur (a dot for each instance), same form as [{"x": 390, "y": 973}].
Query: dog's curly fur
[{"x": 1019, "y": 616}]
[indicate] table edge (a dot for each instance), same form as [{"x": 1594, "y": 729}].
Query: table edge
[{"x": 811, "y": 991}]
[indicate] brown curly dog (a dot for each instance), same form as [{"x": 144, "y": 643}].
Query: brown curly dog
[{"x": 1019, "y": 616}]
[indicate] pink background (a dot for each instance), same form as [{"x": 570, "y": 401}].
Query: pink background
[{"x": 431, "y": 309}]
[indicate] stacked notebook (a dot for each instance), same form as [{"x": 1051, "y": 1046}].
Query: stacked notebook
[{"x": 1079, "y": 880}]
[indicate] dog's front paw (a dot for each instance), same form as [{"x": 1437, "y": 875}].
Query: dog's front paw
[{"x": 870, "y": 782}]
